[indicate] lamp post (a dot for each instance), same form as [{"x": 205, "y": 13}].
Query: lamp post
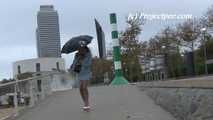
[
  {"x": 165, "y": 62},
  {"x": 203, "y": 30}
]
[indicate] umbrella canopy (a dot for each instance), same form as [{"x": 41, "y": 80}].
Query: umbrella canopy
[{"x": 74, "y": 43}]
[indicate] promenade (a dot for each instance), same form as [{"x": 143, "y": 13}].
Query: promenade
[{"x": 108, "y": 103}]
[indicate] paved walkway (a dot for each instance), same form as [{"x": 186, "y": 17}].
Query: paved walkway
[
  {"x": 5, "y": 112},
  {"x": 108, "y": 103}
]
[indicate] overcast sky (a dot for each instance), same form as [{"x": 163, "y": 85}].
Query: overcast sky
[{"x": 18, "y": 22}]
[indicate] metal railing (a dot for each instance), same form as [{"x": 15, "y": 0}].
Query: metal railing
[{"x": 18, "y": 95}]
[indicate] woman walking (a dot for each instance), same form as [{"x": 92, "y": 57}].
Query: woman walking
[{"x": 82, "y": 66}]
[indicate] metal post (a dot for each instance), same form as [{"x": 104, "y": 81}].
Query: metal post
[
  {"x": 32, "y": 99},
  {"x": 50, "y": 87},
  {"x": 43, "y": 88},
  {"x": 15, "y": 100},
  {"x": 166, "y": 66},
  {"x": 205, "y": 56},
  {"x": 119, "y": 79}
]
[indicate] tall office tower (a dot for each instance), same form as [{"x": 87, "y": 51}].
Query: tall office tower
[
  {"x": 47, "y": 32},
  {"x": 101, "y": 40}
]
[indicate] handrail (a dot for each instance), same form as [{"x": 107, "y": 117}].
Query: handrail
[
  {"x": 32, "y": 78},
  {"x": 35, "y": 76}
]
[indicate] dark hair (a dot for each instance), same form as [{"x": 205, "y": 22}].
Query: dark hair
[{"x": 87, "y": 48}]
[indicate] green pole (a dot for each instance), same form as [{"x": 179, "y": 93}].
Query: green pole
[{"x": 119, "y": 79}]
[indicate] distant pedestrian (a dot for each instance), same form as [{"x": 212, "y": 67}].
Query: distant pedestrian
[{"x": 82, "y": 66}]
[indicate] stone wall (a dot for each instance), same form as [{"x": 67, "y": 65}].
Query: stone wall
[{"x": 185, "y": 99}]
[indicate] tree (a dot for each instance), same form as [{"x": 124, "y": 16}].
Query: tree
[
  {"x": 6, "y": 89},
  {"x": 166, "y": 43},
  {"x": 200, "y": 61},
  {"x": 188, "y": 33},
  {"x": 153, "y": 47},
  {"x": 4, "y": 81},
  {"x": 100, "y": 67},
  {"x": 131, "y": 49},
  {"x": 207, "y": 19}
]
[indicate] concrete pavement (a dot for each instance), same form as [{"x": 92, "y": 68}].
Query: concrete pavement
[{"x": 108, "y": 103}]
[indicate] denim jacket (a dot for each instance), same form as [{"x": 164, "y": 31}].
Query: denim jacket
[{"x": 85, "y": 73}]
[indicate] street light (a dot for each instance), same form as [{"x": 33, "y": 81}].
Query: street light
[
  {"x": 203, "y": 30},
  {"x": 163, "y": 47},
  {"x": 165, "y": 61}
]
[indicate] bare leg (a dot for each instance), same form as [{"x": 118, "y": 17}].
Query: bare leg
[
  {"x": 86, "y": 93},
  {"x": 82, "y": 91}
]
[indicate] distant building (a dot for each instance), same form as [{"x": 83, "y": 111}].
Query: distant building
[
  {"x": 38, "y": 65},
  {"x": 109, "y": 55},
  {"x": 153, "y": 67},
  {"x": 47, "y": 32},
  {"x": 101, "y": 40},
  {"x": 42, "y": 66}
]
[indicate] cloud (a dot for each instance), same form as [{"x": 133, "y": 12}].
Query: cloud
[{"x": 12, "y": 53}]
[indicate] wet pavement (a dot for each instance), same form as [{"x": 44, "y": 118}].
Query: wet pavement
[{"x": 107, "y": 102}]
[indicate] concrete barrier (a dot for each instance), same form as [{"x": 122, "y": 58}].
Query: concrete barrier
[{"x": 186, "y": 99}]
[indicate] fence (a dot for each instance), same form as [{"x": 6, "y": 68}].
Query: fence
[{"x": 16, "y": 96}]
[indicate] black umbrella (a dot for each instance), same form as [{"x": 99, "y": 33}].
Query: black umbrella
[{"x": 74, "y": 43}]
